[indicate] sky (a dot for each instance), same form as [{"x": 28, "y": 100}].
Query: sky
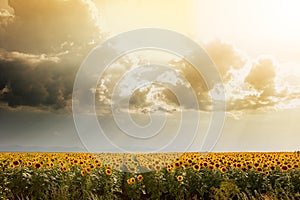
[{"x": 253, "y": 44}]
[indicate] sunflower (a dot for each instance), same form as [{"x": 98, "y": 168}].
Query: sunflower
[
  {"x": 132, "y": 180},
  {"x": 169, "y": 169},
  {"x": 259, "y": 169},
  {"x": 98, "y": 165},
  {"x": 267, "y": 172},
  {"x": 196, "y": 167},
  {"x": 295, "y": 166},
  {"x": 108, "y": 171},
  {"x": 88, "y": 170},
  {"x": 223, "y": 169},
  {"x": 37, "y": 165},
  {"x": 185, "y": 165},
  {"x": 140, "y": 177},
  {"x": 284, "y": 168},
  {"x": 177, "y": 164},
  {"x": 150, "y": 167},
  {"x": 180, "y": 178},
  {"x": 16, "y": 163},
  {"x": 265, "y": 165}
]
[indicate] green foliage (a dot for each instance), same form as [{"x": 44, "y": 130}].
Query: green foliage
[
  {"x": 228, "y": 190},
  {"x": 52, "y": 183}
]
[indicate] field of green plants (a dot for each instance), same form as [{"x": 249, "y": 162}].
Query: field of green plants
[{"x": 150, "y": 176}]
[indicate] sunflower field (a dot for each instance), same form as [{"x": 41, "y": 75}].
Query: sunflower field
[{"x": 150, "y": 175}]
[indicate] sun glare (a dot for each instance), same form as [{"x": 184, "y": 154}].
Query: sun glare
[{"x": 283, "y": 18}]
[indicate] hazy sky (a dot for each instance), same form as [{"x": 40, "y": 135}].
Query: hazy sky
[{"x": 255, "y": 46}]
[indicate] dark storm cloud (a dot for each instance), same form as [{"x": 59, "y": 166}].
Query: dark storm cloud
[
  {"x": 45, "y": 81},
  {"x": 42, "y": 44}
]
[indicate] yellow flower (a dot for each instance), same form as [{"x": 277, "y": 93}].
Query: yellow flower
[
  {"x": 196, "y": 167},
  {"x": 16, "y": 163},
  {"x": 88, "y": 170},
  {"x": 179, "y": 178},
  {"x": 140, "y": 177},
  {"x": 177, "y": 164},
  {"x": 223, "y": 169},
  {"x": 37, "y": 165},
  {"x": 132, "y": 180},
  {"x": 284, "y": 168},
  {"x": 108, "y": 171}
]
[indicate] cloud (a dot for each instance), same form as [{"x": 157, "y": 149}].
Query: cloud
[
  {"x": 42, "y": 44},
  {"x": 263, "y": 89},
  {"x": 34, "y": 80},
  {"x": 225, "y": 56},
  {"x": 153, "y": 97},
  {"x": 42, "y": 26},
  {"x": 262, "y": 74},
  {"x": 30, "y": 59},
  {"x": 6, "y": 17},
  {"x": 250, "y": 84}
]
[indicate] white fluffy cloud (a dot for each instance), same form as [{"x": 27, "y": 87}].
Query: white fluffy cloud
[{"x": 250, "y": 84}]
